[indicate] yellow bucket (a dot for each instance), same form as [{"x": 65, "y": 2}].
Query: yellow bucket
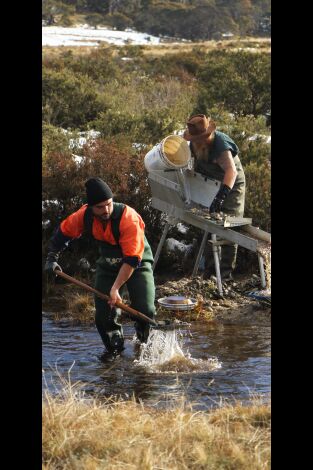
[{"x": 172, "y": 152}]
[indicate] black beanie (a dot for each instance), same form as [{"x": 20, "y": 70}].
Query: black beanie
[{"x": 97, "y": 191}]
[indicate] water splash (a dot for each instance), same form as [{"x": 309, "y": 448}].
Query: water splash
[{"x": 163, "y": 353}]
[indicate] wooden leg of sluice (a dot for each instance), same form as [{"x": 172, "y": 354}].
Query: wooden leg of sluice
[
  {"x": 161, "y": 242},
  {"x": 262, "y": 272},
  {"x": 201, "y": 249},
  {"x": 217, "y": 264}
]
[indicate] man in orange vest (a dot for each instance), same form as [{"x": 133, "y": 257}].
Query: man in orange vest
[{"x": 125, "y": 259}]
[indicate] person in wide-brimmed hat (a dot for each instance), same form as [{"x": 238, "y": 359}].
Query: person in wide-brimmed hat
[
  {"x": 216, "y": 156},
  {"x": 199, "y": 128}
]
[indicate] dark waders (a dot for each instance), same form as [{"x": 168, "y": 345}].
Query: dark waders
[
  {"x": 140, "y": 287},
  {"x": 234, "y": 205}
]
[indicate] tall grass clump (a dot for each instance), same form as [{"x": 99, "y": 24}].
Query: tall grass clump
[
  {"x": 84, "y": 434},
  {"x": 80, "y": 308}
]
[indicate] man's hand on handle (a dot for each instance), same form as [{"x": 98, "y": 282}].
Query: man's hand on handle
[
  {"x": 51, "y": 263},
  {"x": 123, "y": 275},
  {"x": 114, "y": 297}
]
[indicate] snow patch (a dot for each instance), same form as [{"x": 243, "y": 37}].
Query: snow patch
[
  {"x": 83, "y": 35},
  {"x": 266, "y": 138},
  {"x": 172, "y": 245},
  {"x": 83, "y": 138},
  {"x": 77, "y": 159}
]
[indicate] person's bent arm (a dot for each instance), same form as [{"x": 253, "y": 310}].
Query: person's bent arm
[
  {"x": 132, "y": 245},
  {"x": 226, "y": 162},
  {"x": 124, "y": 274}
]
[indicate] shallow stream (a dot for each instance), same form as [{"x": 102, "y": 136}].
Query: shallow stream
[{"x": 215, "y": 363}]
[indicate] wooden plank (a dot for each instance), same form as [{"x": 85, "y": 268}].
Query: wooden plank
[
  {"x": 258, "y": 233},
  {"x": 236, "y": 221}
]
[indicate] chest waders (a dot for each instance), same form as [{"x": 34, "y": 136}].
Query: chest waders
[
  {"x": 234, "y": 205},
  {"x": 140, "y": 285}
]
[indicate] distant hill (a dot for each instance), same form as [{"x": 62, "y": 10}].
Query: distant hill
[{"x": 184, "y": 19}]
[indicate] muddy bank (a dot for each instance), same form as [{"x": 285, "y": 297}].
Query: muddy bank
[{"x": 234, "y": 308}]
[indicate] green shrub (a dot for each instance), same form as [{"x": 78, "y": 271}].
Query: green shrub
[
  {"x": 145, "y": 109},
  {"x": 65, "y": 20},
  {"x": 119, "y": 21},
  {"x": 54, "y": 139},
  {"x": 258, "y": 194},
  {"x": 69, "y": 100},
  {"x": 100, "y": 64},
  {"x": 240, "y": 81},
  {"x": 95, "y": 20}
]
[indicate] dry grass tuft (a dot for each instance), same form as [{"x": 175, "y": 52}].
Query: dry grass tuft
[
  {"x": 255, "y": 44},
  {"x": 83, "y": 434},
  {"x": 79, "y": 309}
]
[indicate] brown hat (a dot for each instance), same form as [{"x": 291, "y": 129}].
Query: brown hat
[{"x": 199, "y": 127}]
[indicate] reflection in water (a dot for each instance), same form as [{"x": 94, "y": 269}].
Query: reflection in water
[{"x": 242, "y": 351}]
